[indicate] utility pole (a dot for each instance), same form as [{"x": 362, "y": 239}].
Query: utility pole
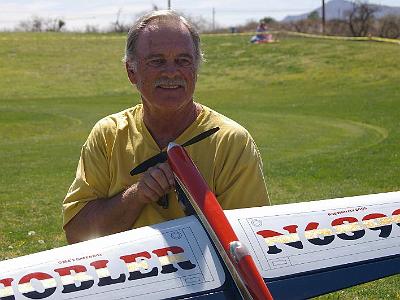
[
  {"x": 213, "y": 19},
  {"x": 323, "y": 16},
  {"x": 169, "y": 4}
]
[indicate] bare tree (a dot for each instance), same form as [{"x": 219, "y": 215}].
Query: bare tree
[
  {"x": 34, "y": 24},
  {"x": 306, "y": 26},
  {"x": 361, "y": 18},
  {"x": 39, "y": 24},
  {"x": 202, "y": 24},
  {"x": 337, "y": 27},
  {"x": 55, "y": 25},
  {"x": 118, "y": 26},
  {"x": 91, "y": 28},
  {"x": 389, "y": 27}
]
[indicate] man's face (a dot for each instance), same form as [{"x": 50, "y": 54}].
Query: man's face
[{"x": 165, "y": 72}]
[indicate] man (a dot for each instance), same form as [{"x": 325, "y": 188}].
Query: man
[{"x": 162, "y": 59}]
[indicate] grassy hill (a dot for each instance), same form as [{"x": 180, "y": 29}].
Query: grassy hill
[{"x": 325, "y": 115}]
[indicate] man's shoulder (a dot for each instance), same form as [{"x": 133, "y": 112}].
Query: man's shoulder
[
  {"x": 112, "y": 125},
  {"x": 119, "y": 120},
  {"x": 228, "y": 127}
]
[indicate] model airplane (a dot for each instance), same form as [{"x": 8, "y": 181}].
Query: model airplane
[{"x": 301, "y": 250}]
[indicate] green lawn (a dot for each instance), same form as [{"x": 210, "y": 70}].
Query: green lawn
[{"x": 325, "y": 114}]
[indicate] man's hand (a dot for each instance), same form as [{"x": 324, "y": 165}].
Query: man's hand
[
  {"x": 106, "y": 216},
  {"x": 154, "y": 183}
]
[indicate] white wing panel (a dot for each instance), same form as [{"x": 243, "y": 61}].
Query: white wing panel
[
  {"x": 162, "y": 261},
  {"x": 302, "y": 237}
]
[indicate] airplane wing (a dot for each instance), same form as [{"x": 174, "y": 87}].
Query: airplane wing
[
  {"x": 312, "y": 248},
  {"x": 301, "y": 250}
]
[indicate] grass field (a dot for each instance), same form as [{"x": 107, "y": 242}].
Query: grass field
[{"x": 325, "y": 114}]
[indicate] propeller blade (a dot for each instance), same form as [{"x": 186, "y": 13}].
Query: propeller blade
[{"x": 162, "y": 156}]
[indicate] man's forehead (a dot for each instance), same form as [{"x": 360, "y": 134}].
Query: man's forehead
[
  {"x": 165, "y": 25},
  {"x": 159, "y": 33}
]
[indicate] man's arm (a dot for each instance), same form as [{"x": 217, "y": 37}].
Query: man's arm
[
  {"x": 102, "y": 217},
  {"x": 239, "y": 178}
]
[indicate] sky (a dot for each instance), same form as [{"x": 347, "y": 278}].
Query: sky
[{"x": 102, "y": 13}]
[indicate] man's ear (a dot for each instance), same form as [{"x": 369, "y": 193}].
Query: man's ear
[{"x": 131, "y": 73}]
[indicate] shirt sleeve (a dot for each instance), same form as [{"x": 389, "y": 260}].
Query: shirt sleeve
[
  {"x": 92, "y": 180},
  {"x": 240, "y": 181}
]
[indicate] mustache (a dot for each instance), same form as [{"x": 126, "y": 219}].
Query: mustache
[{"x": 170, "y": 81}]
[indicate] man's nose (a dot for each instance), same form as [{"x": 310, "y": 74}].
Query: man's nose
[{"x": 170, "y": 69}]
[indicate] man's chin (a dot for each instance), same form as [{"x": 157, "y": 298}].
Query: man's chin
[{"x": 172, "y": 103}]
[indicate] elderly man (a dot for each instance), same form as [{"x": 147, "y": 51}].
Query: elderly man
[{"x": 162, "y": 59}]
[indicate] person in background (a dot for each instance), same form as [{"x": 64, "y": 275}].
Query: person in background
[{"x": 262, "y": 35}]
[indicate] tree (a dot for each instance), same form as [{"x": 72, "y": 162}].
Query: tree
[
  {"x": 361, "y": 18},
  {"x": 313, "y": 16},
  {"x": 202, "y": 24},
  {"x": 268, "y": 20},
  {"x": 61, "y": 24},
  {"x": 390, "y": 27},
  {"x": 55, "y": 25},
  {"x": 92, "y": 29},
  {"x": 118, "y": 26},
  {"x": 35, "y": 23},
  {"x": 306, "y": 26},
  {"x": 39, "y": 24},
  {"x": 337, "y": 27}
]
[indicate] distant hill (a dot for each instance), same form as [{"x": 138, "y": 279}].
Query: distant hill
[{"x": 337, "y": 9}]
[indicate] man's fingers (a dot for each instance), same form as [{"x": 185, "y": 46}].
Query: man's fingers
[
  {"x": 152, "y": 183},
  {"x": 160, "y": 177},
  {"x": 156, "y": 182},
  {"x": 167, "y": 173}
]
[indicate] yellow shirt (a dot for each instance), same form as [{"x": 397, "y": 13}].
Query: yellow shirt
[{"x": 228, "y": 160}]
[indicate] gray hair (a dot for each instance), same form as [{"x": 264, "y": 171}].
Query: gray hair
[{"x": 166, "y": 15}]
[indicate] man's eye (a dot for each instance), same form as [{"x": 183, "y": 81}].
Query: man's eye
[
  {"x": 184, "y": 62},
  {"x": 156, "y": 62}
]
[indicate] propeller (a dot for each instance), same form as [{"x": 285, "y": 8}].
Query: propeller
[{"x": 162, "y": 156}]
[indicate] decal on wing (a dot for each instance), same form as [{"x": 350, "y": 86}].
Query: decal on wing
[
  {"x": 320, "y": 234},
  {"x": 156, "y": 262}
]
